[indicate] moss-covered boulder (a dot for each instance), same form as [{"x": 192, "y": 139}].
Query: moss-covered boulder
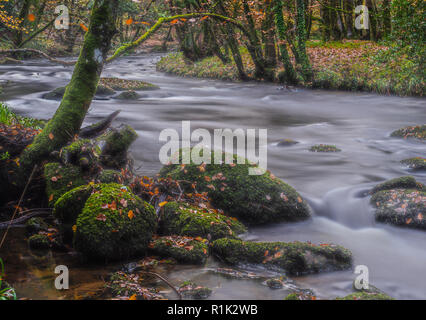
[
  {"x": 128, "y": 95},
  {"x": 418, "y": 132},
  {"x": 61, "y": 178},
  {"x": 109, "y": 176},
  {"x": 402, "y": 207},
  {"x": 396, "y": 183},
  {"x": 417, "y": 163},
  {"x": 124, "y": 84},
  {"x": 117, "y": 142},
  {"x": 39, "y": 242},
  {"x": 35, "y": 225},
  {"x": 182, "y": 219},
  {"x": 114, "y": 224},
  {"x": 301, "y": 295},
  {"x": 324, "y": 148},
  {"x": 182, "y": 249},
  {"x": 80, "y": 150},
  {"x": 366, "y": 295},
  {"x": 255, "y": 199},
  {"x": 296, "y": 258},
  {"x": 191, "y": 290}
]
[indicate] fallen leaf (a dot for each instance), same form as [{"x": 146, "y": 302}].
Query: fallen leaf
[
  {"x": 161, "y": 204},
  {"x": 130, "y": 214}
]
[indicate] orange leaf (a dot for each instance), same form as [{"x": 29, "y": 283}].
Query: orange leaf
[
  {"x": 266, "y": 253},
  {"x": 161, "y": 204},
  {"x": 51, "y": 136},
  {"x": 84, "y": 27},
  {"x": 133, "y": 297},
  {"x": 174, "y": 21},
  {"x": 129, "y": 21},
  {"x": 204, "y": 18},
  {"x": 130, "y": 214},
  {"x": 51, "y": 197},
  {"x": 31, "y": 17}
]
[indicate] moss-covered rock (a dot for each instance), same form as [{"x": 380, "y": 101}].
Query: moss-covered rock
[
  {"x": 324, "y": 148},
  {"x": 182, "y": 249},
  {"x": 300, "y": 295},
  {"x": 109, "y": 176},
  {"x": 417, "y": 163},
  {"x": 124, "y": 84},
  {"x": 58, "y": 93},
  {"x": 275, "y": 283},
  {"x": 39, "y": 242},
  {"x": 114, "y": 224},
  {"x": 60, "y": 179},
  {"x": 128, "y": 95},
  {"x": 117, "y": 142},
  {"x": 191, "y": 290},
  {"x": 296, "y": 258},
  {"x": 418, "y": 132},
  {"x": 403, "y": 207},
  {"x": 362, "y": 295},
  {"x": 397, "y": 183},
  {"x": 182, "y": 219},
  {"x": 130, "y": 285},
  {"x": 254, "y": 199},
  {"x": 34, "y": 225},
  {"x": 104, "y": 90}
]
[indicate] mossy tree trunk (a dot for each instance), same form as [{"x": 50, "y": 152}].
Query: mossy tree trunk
[
  {"x": 301, "y": 41},
  {"x": 289, "y": 72},
  {"x": 23, "y": 13},
  {"x": 78, "y": 96}
]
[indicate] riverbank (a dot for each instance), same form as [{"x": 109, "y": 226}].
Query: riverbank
[{"x": 348, "y": 65}]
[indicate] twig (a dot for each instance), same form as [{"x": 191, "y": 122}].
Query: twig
[
  {"x": 17, "y": 207},
  {"x": 165, "y": 281},
  {"x": 40, "y": 211}
]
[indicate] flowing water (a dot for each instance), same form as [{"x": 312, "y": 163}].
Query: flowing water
[{"x": 333, "y": 183}]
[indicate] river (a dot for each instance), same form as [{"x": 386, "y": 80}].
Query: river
[{"x": 333, "y": 183}]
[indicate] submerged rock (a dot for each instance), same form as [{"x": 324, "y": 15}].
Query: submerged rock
[
  {"x": 418, "y": 132},
  {"x": 182, "y": 249},
  {"x": 324, "y": 148},
  {"x": 128, "y": 95},
  {"x": 182, "y": 219},
  {"x": 287, "y": 143},
  {"x": 372, "y": 293},
  {"x": 417, "y": 163},
  {"x": 191, "y": 290},
  {"x": 296, "y": 258},
  {"x": 114, "y": 224},
  {"x": 275, "y": 283},
  {"x": 255, "y": 199}
]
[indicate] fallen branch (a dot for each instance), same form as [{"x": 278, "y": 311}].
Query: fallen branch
[
  {"x": 98, "y": 128},
  {"x": 165, "y": 281},
  {"x": 41, "y": 53},
  {"x": 33, "y": 213}
]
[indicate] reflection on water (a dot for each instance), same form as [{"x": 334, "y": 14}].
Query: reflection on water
[{"x": 334, "y": 184}]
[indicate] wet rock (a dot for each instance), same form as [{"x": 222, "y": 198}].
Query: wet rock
[
  {"x": 301, "y": 295},
  {"x": 39, "y": 242},
  {"x": 182, "y": 249},
  {"x": 114, "y": 224},
  {"x": 58, "y": 93},
  {"x": 117, "y": 142},
  {"x": 372, "y": 293},
  {"x": 182, "y": 219},
  {"x": 397, "y": 183},
  {"x": 191, "y": 290},
  {"x": 128, "y": 95},
  {"x": 254, "y": 199},
  {"x": 236, "y": 274},
  {"x": 324, "y": 148},
  {"x": 129, "y": 286},
  {"x": 296, "y": 258},
  {"x": 34, "y": 225},
  {"x": 418, "y": 132},
  {"x": 287, "y": 143},
  {"x": 275, "y": 283},
  {"x": 60, "y": 179},
  {"x": 417, "y": 163},
  {"x": 104, "y": 90}
]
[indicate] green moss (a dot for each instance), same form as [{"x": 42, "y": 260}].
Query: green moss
[
  {"x": 60, "y": 179},
  {"x": 191, "y": 290},
  {"x": 58, "y": 93},
  {"x": 403, "y": 207},
  {"x": 418, "y": 132},
  {"x": 72, "y": 152},
  {"x": 182, "y": 219},
  {"x": 114, "y": 224},
  {"x": 366, "y": 296},
  {"x": 38, "y": 242},
  {"x": 417, "y": 163},
  {"x": 182, "y": 249},
  {"x": 109, "y": 176},
  {"x": 128, "y": 95},
  {"x": 301, "y": 295},
  {"x": 114, "y": 153},
  {"x": 294, "y": 258},
  {"x": 397, "y": 183},
  {"x": 124, "y": 84},
  {"x": 126, "y": 285},
  {"x": 324, "y": 148},
  {"x": 254, "y": 199}
]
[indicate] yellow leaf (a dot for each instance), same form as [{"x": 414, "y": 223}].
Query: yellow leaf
[
  {"x": 161, "y": 204},
  {"x": 51, "y": 197},
  {"x": 74, "y": 228},
  {"x": 133, "y": 297},
  {"x": 130, "y": 214}
]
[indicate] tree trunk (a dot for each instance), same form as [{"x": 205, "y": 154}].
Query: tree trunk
[
  {"x": 301, "y": 41},
  {"x": 78, "y": 96}
]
